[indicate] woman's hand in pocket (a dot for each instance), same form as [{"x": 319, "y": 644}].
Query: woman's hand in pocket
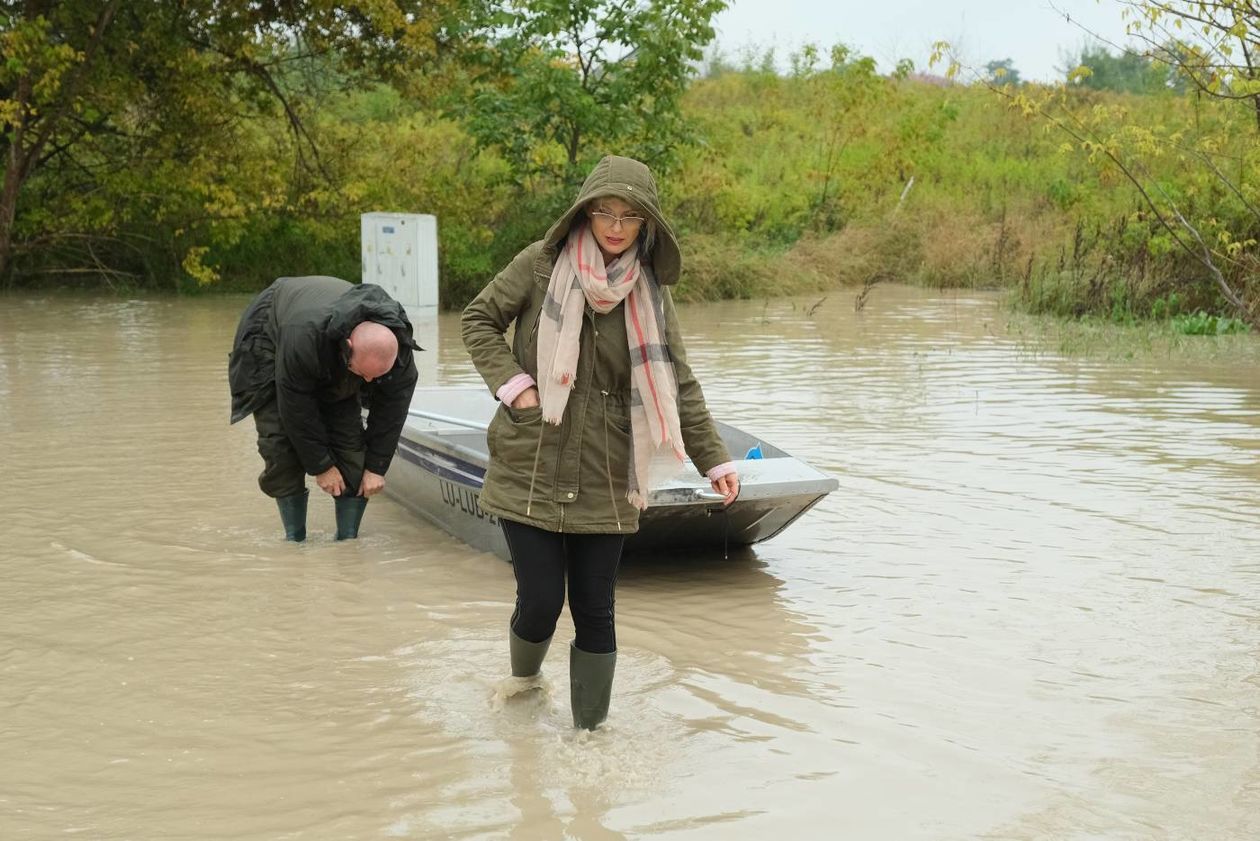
[{"x": 527, "y": 399}]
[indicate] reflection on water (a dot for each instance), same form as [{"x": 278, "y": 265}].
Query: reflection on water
[{"x": 1029, "y": 612}]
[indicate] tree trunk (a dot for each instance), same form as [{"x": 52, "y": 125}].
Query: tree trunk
[
  {"x": 15, "y": 170},
  {"x": 8, "y": 209}
]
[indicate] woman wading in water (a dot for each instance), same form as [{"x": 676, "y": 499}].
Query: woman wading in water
[{"x": 593, "y": 385}]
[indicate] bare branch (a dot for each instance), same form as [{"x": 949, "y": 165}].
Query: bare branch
[
  {"x": 261, "y": 70},
  {"x": 1233, "y": 188},
  {"x": 1221, "y": 284},
  {"x": 296, "y": 124},
  {"x": 103, "y": 21}
]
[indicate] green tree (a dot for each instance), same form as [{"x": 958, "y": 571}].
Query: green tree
[
  {"x": 561, "y": 77},
  {"x": 849, "y": 86},
  {"x": 1127, "y": 72},
  {"x": 122, "y": 120},
  {"x": 1002, "y": 72}
]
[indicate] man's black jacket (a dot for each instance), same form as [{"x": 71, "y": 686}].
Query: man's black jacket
[{"x": 290, "y": 347}]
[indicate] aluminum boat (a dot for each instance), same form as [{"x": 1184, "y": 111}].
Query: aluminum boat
[{"x": 442, "y": 456}]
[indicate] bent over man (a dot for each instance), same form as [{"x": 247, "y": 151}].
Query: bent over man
[{"x": 310, "y": 354}]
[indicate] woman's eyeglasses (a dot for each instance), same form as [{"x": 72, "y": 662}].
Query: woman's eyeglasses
[{"x": 630, "y": 220}]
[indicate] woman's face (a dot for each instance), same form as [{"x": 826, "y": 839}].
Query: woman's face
[{"x": 615, "y": 223}]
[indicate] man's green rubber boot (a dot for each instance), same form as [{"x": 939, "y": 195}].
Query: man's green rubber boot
[
  {"x": 293, "y": 515},
  {"x": 349, "y": 514}
]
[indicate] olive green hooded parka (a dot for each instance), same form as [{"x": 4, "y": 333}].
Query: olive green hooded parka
[{"x": 573, "y": 477}]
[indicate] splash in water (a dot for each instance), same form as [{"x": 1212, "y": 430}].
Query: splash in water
[{"x": 531, "y": 693}]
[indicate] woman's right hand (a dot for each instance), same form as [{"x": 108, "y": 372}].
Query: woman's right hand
[{"x": 527, "y": 399}]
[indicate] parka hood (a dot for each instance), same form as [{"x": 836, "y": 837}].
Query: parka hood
[
  {"x": 630, "y": 181},
  {"x": 369, "y": 302}
]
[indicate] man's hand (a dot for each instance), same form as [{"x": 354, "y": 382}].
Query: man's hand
[
  {"x": 728, "y": 486},
  {"x": 527, "y": 399},
  {"x": 331, "y": 482},
  {"x": 372, "y": 484}
]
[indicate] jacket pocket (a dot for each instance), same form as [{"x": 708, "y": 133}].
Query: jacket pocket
[
  {"x": 513, "y": 438},
  {"x": 617, "y": 411},
  {"x": 619, "y": 421},
  {"x": 529, "y": 416}
]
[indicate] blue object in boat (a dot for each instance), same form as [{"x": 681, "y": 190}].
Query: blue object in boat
[{"x": 754, "y": 452}]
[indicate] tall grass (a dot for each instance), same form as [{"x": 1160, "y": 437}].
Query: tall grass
[{"x": 797, "y": 183}]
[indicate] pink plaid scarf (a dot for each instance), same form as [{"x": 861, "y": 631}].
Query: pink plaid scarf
[{"x": 580, "y": 277}]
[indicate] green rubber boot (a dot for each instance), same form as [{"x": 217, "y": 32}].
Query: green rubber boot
[
  {"x": 349, "y": 514},
  {"x": 527, "y": 657},
  {"x": 590, "y": 686},
  {"x": 293, "y": 515}
]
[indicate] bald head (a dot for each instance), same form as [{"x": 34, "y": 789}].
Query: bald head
[{"x": 373, "y": 349}]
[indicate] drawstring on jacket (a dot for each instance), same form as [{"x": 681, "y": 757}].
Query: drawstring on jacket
[
  {"x": 533, "y": 474},
  {"x": 612, "y": 495}
]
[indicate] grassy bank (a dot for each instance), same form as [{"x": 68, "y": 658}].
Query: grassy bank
[{"x": 795, "y": 191}]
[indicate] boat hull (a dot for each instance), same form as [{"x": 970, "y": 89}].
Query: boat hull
[{"x": 440, "y": 468}]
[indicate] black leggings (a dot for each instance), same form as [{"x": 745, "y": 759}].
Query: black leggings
[{"x": 539, "y": 559}]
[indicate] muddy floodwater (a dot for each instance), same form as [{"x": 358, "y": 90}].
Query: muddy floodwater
[{"x": 1031, "y": 610}]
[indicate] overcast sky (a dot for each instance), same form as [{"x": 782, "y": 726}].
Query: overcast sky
[{"x": 1030, "y": 32}]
